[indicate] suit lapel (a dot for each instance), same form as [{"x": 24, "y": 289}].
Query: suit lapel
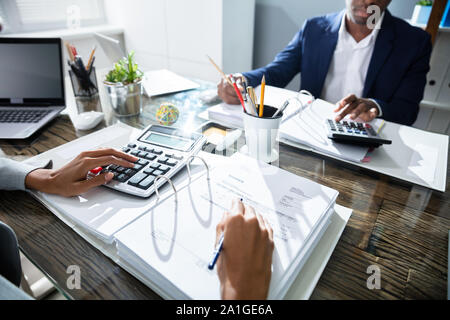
[{"x": 383, "y": 47}]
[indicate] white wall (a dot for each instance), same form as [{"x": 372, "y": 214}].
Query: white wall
[{"x": 177, "y": 34}]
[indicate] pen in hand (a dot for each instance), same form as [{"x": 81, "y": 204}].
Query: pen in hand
[{"x": 216, "y": 253}]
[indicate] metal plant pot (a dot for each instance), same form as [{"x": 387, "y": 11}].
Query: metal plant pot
[{"x": 126, "y": 100}]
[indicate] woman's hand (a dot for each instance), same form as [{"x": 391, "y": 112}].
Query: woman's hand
[
  {"x": 70, "y": 180},
  {"x": 244, "y": 265}
]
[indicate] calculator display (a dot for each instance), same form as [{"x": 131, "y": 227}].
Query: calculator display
[{"x": 170, "y": 141}]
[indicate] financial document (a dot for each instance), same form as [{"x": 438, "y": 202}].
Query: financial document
[{"x": 181, "y": 230}]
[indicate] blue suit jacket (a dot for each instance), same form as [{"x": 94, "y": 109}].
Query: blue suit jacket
[{"x": 397, "y": 72}]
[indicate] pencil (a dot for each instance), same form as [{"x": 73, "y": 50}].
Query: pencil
[
  {"x": 261, "y": 102},
  {"x": 219, "y": 70},
  {"x": 238, "y": 93},
  {"x": 90, "y": 58},
  {"x": 381, "y": 126},
  {"x": 69, "y": 51}
]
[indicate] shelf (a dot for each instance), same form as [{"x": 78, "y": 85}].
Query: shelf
[{"x": 70, "y": 34}]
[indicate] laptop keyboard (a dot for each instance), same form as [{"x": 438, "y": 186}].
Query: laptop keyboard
[{"x": 22, "y": 116}]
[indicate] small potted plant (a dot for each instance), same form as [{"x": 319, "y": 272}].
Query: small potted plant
[
  {"x": 124, "y": 87},
  {"x": 422, "y": 12}
]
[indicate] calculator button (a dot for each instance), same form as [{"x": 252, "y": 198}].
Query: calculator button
[
  {"x": 142, "y": 148},
  {"x": 157, "y": 151},
  {"x": 135, "y": 152},
  {"x": 142, "y": 162},
  {"x": 137, "y": 167},
  {"x": 154, "y": 165},
  {"x": 125, "y": 149},
  {"x": 157, "y": 173},
  {"x": 122, "y": 178},
  {"x": 149, "y": 171},
  {"x": 169, "y": 155},
  {"x": 131, "y": 145},
  {"x": 146, "y": 183},
  {"x": 171, "y": 162},
  {"x": 142, "y": 154},
  {"x": 177, "y": 157},
  {"x": 164, "y": 168},
  {"x": 149, "y": 149},
  {"x": 113, "y": 167},
  {"x": 137, "y": 178},
  {"x": 163, "y": 160},
  {"x": 120, "y": 169},
  {"x": 150, "y": 157},
  {"x": 129, "y": 172}
]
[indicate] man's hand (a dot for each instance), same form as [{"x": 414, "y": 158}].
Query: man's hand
[
  {"x": 70, "y": 180},
  {"x": 226, "y": 91},
  {"x": 244, "y": 265},
  {"x": 365, "y": 109}
]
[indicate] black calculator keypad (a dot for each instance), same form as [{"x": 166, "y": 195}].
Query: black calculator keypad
[
  {"x": 151, "y": 163},
  {"x": 356, "y": 133}
]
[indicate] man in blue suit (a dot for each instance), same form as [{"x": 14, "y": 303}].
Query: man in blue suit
[{"x": 370, "y": 69}]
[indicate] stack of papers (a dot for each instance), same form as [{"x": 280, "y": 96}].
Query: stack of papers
[
  {"x": 172, "y": 244},
  {"x": 308, "y": 128},
  {"x": 159, "y": 82}
]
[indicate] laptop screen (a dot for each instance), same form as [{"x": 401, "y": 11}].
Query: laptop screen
[{"x": 31, "y": 71}]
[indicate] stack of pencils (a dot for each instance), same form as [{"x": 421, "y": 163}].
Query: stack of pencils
[{"x": 82, "y": 71}]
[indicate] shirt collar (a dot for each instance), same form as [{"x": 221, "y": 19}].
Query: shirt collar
[{"x": 346, "y": 36}]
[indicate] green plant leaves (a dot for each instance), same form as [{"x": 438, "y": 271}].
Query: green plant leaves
[{"x": 125, "y": 71}]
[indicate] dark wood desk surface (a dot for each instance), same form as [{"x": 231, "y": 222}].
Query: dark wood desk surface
[{"x": 397, "y": 226}]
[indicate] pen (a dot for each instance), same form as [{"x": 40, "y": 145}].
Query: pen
[
  {"x": 216, "y": 253},
  {"x": 261, "y": 102},
  {"x": 284, "y": 106}
]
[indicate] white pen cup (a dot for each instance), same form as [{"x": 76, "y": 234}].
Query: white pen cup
[{"x": 261, "y": 134}]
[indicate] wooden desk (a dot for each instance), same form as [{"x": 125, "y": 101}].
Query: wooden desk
[{"x": 399, "y": 227}]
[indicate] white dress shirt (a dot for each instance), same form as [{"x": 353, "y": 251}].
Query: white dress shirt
[{"x": 349, "y": 65}]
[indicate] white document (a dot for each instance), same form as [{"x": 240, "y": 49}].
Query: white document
[
  {"x": 159, "y": 82},
  {"x": 423, "y": 162},
  {"x": 182, "y": 233}
]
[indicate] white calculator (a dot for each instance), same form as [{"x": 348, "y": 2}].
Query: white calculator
[{"x": 162, "y": 151}]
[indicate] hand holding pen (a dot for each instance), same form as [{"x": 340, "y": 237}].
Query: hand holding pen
[{"x": 244, "y": 263}]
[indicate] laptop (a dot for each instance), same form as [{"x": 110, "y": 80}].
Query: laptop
[{"x": 31, "y": 85}]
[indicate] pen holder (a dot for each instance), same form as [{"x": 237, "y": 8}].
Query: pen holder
[
  {"x": 85, "y": 87},
  {"x": 261, "y": 134}
]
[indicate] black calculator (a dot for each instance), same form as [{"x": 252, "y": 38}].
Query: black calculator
[
  {"x": 356, "y": 133},
  {"x": 162, "y": 151}
]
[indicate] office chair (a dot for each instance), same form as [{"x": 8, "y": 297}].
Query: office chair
[{"x": 10, "y": 268}]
